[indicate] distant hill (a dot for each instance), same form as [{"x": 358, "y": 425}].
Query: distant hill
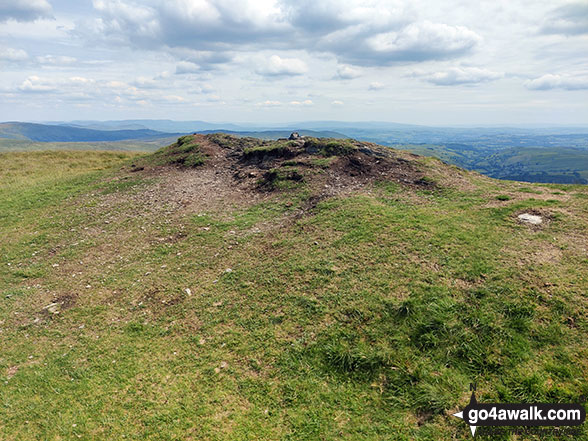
[
  {"x": 56, "y": 133},
  {"x": 558, "y": 165},
  {"x": 275, "y": 134},
  {"x": 160, "y": 125}
]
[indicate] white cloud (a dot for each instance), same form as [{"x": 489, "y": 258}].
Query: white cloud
[
  {"x": 379, "y": 32},
  {"x": 277, "y": 66},
  {"x": 376, "y": 85},
  {"x": 174, "y": 98},
  {"x": 337, "y": 103},
  {"x": 10, "y": 54},
  {"x": 421, "y": 41},
  {"x": 461, "y": 75},
  {"x": 302, "y": 103},
  {"x": 36, "y": 84},
  {"x": 345, "y": 72},
  {"x": 56, "y": 60},
  {"x": 550, "y": 81},
  {"x": 269, "y": 103}
]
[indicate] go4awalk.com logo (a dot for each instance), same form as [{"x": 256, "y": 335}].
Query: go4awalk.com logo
[{"x": 529, "y": 414}]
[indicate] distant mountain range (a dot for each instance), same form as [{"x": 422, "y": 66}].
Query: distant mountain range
[
  {"x": 536, "y": 154},
  {"x": 57, "y": 133},
  {"x": 93, "y": 131}
]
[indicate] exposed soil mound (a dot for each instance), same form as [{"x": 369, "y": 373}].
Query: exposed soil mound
[{"x": 329, "y": 164}]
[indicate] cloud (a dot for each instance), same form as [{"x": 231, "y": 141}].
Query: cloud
[
  {"x": 269, "y": 103},
  {"x": 173, "y": 99},
  {"x": 376, "y": 86},
  {"x": 417, "y": 42},
  {"x": 24, "y": 10},
  {"x": 570, "y": 19},
  {"x": 10, "y": 54},
  {"x": 550, "y": 81},
  {"x": 35, "y": 84},
  {"x": 337, "y": 103},
  {"x": 186, "y": 67},
  {"x": 206, "y": 60},
  {"x": 461, "y": 75},
  {"x": 375, "y": 33},
  {"x": 56, "y": 60},
  {"x": 302, "y": 103},
  {"x": 277, "y": 66},
  {"x": 347, "y": 72}
]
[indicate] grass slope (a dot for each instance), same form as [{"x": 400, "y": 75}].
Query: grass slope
[
  {"x": 133, "y": 307},
  {"x": 19, "y": 145}
]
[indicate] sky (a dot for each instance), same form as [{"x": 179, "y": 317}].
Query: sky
[{"x": 427, "y": 62}]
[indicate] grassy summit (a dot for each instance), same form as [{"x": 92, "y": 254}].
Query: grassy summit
[{"x": 230, "y": 288}]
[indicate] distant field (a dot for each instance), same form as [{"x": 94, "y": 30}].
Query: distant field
[
  {"x": 562, "y": 165},
  {"x": 15, "y": 145}
]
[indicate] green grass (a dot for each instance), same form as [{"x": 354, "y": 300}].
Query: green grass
[
  {"x": 185, "y": 152},
  {"x": 19, "y": 145},
  {"x": 365, "y": 319},
  {"x": 330, "y": 146}
]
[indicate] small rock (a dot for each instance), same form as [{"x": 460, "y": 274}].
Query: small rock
[
  {"x": 228, "y": 270},
  {"x": 53, "y": 308},
  {"x": 530, "y": 218},
  {"x": 188, "y": 291},
  {"x": 223, "y": 364}
]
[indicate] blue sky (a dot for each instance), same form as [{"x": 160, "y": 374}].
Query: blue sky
[{"x": 421, "y": 61}]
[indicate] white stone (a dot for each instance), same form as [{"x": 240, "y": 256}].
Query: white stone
[{"x": 530, "y": 218}]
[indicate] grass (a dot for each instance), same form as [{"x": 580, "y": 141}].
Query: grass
[
  {"x": 16, "y": 145},
  {"x": 330, "y": 146},
  {"x": 366, "y": 319},
  {"x": 185, "y": 152}
]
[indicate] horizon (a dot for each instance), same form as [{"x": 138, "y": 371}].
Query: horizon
[
  {"x": 291, "y": 124},
  {"x": 494, "y": 64}
]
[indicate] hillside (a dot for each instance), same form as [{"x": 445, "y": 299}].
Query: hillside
[
  {"x": 229, "y": 288},
  {"x": 139, "y": 145},
  {"x": 54, "y": 133},
  {"x": 563, "y": 165}
]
